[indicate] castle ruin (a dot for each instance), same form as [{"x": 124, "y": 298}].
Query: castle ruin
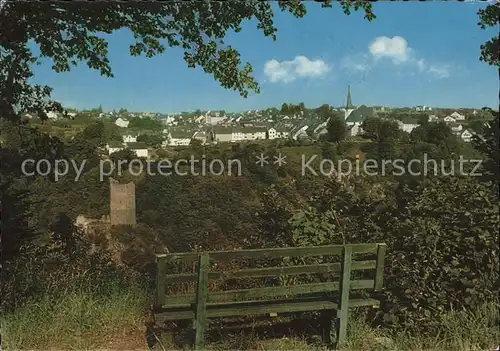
[{"x": 121, "y": 203}]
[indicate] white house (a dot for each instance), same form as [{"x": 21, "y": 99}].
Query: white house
[
  {"x": 278, "y": 133},
  {"x": 140, "y": 149},
  {"x": 200, "y": 119},
  {"x": 456, "y": 128},
  {"x": 129, "y": 138},
  {"x": 466, "y": 135},
  {"x": 458, "y": 116},
  {"x": 123, "y": 123},
  {"x": 408, "y": 124},
  {"x": 320, "y": 128},
  {"x": 113, "y": 147},
  {"x": 249, "y": 133},
  {"x": 202, "y": 137},
  {"x": 52, "y": 115},
  {"x": 449, "y": 119},
  {"x": 222, "y": 134},
  {"x": 179, "y": 138},
  {"x": 433, "y": 118},
  {"x": 299, "y": 132}
]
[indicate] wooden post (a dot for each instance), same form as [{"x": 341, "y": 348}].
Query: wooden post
[
  {"x": 201, "y": 301},
  {"x": 327, "y": 327},
  {"x": 379, "y": 270},
  {"x": 161, "y": 273},
  {"x": 345, "y": 280}
]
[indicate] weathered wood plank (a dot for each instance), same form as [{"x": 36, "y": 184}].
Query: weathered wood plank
[
  {"x": 161, "y": 276},
  {"x": 323, "y": 268},
  {"x": 268, "y": 292},
  {"x": 379, "y": 270},
  {"x": 262, "y": 307},
  {"x": 307, "y": 251},
  {"x": 249, "y": 308},
  {"x": 343, "y": 315},
  {"x": 201, "y": 302}
]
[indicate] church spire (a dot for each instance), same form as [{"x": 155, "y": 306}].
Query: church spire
[{"x": 348, "y": 105}]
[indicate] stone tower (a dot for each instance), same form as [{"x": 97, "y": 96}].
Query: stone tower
[
  {"x": 348, "y": 106},
  {"x": 121, "y": 203}
]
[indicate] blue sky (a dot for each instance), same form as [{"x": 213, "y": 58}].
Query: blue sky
[{"x": 411, "y": 54}]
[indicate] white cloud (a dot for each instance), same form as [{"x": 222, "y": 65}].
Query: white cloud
[
  {"x": 395, "y": 48},
  {"x": 356, "y": 63},
  {"x": 439, "y": 71},
  {"x": 400, "y": 53},
  {"x": 299, "y": 67},
  {"x": 421, "y": 65}
]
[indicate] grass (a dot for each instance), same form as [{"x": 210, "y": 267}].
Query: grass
[
  {"x": 77, "y": 320},
  {"x": 83, "y": 321}
]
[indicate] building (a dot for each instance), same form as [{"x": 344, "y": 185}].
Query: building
[
  {"x": 214, "y": 117},
  {"x": 456, "y": 128},
  {"x": 319, "y": 129},
  {"x": 248, "y": 134},
  {"x": 299, "y": 132},
  {"x": 122, "y": 203},
  {"x": 179, "y": 138},
  {"x": 238, "y": 134},
  {"x": 457, "y": 116},
  {"x": 129, "y": 138},
  {"x": 114, "y": 146},
  {"x": 433, "y": 118},
  {"x": 52, "y": 115},
  {"x": 222, "y": 134},
  {"x": 122, "y": 123},
  {"x": 408, "y": 123},
  {"x": 278, "y": 133},
  {"x": 202, "y": 137},
  {"x": 422, "y": 108},
  {"x": 466, "y": 135},
  {"x": 449, "y": 119},
  {"x": 140, "y": 149},
  {"x": 349, "y": 108},
  {"x": 357, "y": 117}
]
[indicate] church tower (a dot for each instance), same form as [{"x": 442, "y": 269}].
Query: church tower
[{"x": 348, "y": 107}]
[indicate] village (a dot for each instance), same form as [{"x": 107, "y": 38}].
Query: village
[{"x": 291, "y": 122}]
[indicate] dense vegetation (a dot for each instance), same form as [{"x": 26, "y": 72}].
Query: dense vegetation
[{"x": 441, "y": 230}]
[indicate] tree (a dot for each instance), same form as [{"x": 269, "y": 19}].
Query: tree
[
  {"x": 380, "y": 130},
  {"x": 490, "y": 17},
  {"x": 68, "y": 33},
  {"x": 488, "y": 145},
  {"x": 477, "y": 125},
  {"x": 324, "y": 111},
  {"x": 337, "y": 129},
  {"x": 284, "y": 108},
  {"x": 95, "y": 133},
  {"x": 150, "y": 139}
]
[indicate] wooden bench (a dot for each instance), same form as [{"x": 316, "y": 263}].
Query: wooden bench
[{"x": 332, "y": 298}]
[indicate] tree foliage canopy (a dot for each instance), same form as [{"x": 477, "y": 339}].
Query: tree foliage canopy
[
  {"x": 490, "y": 17},
  {"x": 68, "y": 33}
]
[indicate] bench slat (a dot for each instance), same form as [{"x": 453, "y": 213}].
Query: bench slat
[
  {"x": 259, "y": 307},
  {"x": 306, "y": 251},
  {"x": 273, "y": 271},
  {"x": 269, "y": 292}
]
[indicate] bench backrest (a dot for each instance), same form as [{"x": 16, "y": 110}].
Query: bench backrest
[{"x": 343, "y": 269}]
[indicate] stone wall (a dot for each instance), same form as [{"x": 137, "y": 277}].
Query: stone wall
[{"x": 122, "y": 203}]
